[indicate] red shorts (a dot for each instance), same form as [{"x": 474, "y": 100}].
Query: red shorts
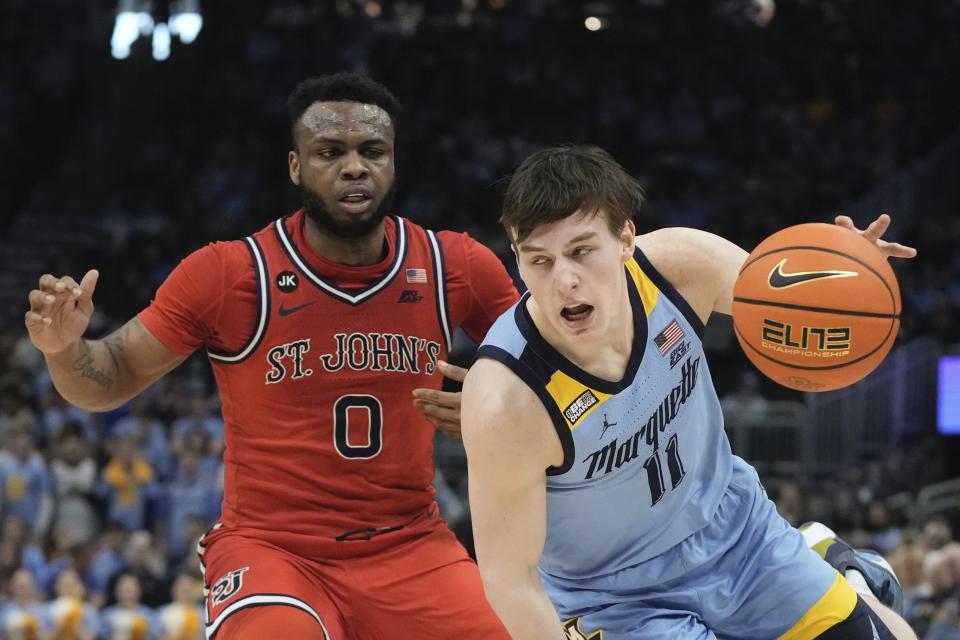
[{"x": 417, "y": 580}]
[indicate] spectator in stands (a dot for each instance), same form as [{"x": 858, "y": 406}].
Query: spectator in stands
[
  {"x": 57, "y": 412},
  {"x": 946, "y": 622},
  {"x": 189, "y": 562},
  {"x": 106, "y": 561},
  {"x": 23, "y": 616},
  {"x": 182, "y": 619},
  {"x": 884, "y": 536},
  {"x": 149, "y": 434},
  {"x": 70, "y": 617},
  {"x": 15, "y": 414},
  {"x": 128, "y": 485},
  {"x": 192, "y": 493},
  {"x": 26, "y": 482},
  {"x": 907, "y": 563},
  {"x": 943, "y": 574},
  {"x": 198, "y": 418},
  {"x": 146, "y": 562},
  {"x": 937, "y": 533},
  {"x": 128, "y": 618},
  {"x": 75, "y": 483},
  {"x": 18, "y": 552}
]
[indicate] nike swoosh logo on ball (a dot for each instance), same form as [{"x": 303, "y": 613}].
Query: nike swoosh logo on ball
[
  {"x": 780, "y": 280},
  {"x": 283, "y": 311}
]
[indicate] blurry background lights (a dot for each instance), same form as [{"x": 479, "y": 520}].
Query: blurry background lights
[
  {"x": 593, "y": 23},
  {"x": 185, "y": 20},
  {"x": 161, "y": 42},
  {"x": 135, "y": 20}
]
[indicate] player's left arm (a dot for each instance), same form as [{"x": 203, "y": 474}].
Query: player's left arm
[{"x": 703, "y": 267}]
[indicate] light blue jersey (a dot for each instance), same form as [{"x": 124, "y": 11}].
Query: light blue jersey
[
  {"x": 646, "y": 459},
  {"x": 654, "y": 529}
]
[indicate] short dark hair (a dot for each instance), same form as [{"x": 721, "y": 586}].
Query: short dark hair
[
  {"x": 340, "y": 87},
  {"x": 555, "y": 183}
]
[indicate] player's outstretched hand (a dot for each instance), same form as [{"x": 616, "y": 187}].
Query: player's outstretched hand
[
  {"x": 60, "y": 311},
  {"x": 442, "y": 408},
  {"x": 872, "y": 233}
]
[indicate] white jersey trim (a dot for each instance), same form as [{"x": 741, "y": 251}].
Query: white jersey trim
[
  {"x": 320, "y": 282},
  {"x": 264, "y": 300},
  {"x": 441, "y": 287}
]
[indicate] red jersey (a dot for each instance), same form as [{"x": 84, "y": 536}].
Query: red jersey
[{"x": 316, "y": 363}]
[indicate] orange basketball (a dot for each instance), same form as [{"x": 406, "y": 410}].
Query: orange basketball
[{"x": 816, "y": 307}]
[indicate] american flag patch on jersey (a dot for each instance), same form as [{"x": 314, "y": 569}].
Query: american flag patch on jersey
[
  {"x": 416, "y": 275},
  {"x": 668, "y": 337}
]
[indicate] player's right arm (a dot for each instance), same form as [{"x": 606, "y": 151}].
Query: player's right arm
[
  {"x": 510, "y": 442},
  {"x": 95, "y": 375}
]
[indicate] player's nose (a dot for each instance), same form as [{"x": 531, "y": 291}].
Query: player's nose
[
  {"x": 567, "y": 278},
  {"x": 353, "y": 166}
]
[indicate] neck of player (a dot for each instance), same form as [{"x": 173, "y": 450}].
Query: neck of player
[
  {"x": 352, "y": 252},
  {"x": 606, "y": 351}
]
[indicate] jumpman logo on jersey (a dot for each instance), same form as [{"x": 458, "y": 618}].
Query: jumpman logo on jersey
[{"x": 606, "y": 425}]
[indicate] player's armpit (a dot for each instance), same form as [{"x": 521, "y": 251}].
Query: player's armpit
[{"x": 510, "y": 442}]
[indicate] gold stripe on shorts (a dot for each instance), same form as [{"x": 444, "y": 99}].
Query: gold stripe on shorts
[{"x": 834, "y": 607}]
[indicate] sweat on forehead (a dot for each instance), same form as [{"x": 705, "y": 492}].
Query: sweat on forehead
[{"x": 347, "y": 117}]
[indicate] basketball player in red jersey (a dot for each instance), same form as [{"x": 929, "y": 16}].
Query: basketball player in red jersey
[{"x": 318, "y": 328}]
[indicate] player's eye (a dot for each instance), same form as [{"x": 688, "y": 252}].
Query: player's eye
[
  {"x": 328, "y": 153},
  {"x": 539, "y": 260},
  {"x": 582, "y": 251},
  {"x": 373, "y": 152}
]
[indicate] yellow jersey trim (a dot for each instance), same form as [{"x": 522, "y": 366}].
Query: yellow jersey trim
[
  {"x": 649, "y": 293},
  {"x": 833, "y": 608}
]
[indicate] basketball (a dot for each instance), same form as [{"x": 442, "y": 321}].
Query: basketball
[{"x": 816, "y": 307}]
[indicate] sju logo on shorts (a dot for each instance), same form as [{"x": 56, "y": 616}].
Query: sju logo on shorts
[{"x": 228, "y": 586}]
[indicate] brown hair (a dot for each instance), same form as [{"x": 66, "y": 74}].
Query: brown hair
[{"x": 555, "y": 183}]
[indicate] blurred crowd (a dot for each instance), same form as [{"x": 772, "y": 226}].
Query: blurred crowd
[
  {"x": 733, "y": 127},
  {"x": 101, "y": 514}
]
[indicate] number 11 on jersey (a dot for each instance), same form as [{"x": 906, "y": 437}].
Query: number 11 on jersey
[{"x": 655, "y": 471}]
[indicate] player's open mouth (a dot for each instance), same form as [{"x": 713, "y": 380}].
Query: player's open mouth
[
  {"x": 576, "y": 313},
  {"x": 356, "y": 202},
  {"x": 356, "y": 199}
]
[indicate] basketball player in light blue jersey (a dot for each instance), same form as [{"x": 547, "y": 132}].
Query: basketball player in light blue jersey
[{"x": 606, "y": 501}]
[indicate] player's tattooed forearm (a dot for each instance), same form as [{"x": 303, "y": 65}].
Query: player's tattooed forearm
[{"x": 87, "y": 368}]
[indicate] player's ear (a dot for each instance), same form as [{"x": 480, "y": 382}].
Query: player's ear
[
  {"x": 293, "y": 164},
  {"x": 628, "y": 234},
  {"x": 513, "y": 245}
]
